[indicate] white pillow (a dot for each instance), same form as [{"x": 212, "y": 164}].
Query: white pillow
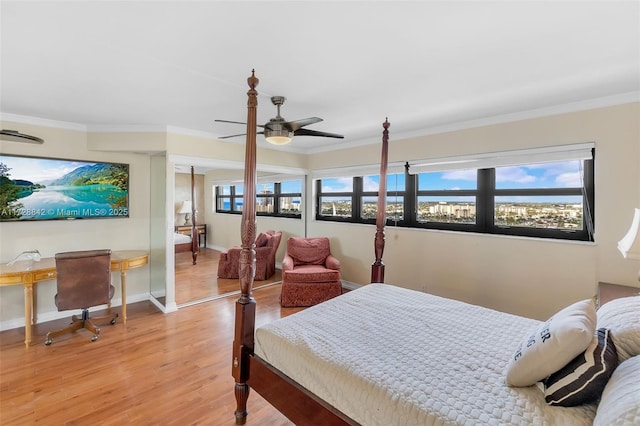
[
  {"x": 620, "y": 402},
  {"x": 553, "y": 344},
  {"x": 622, "y": 317}
]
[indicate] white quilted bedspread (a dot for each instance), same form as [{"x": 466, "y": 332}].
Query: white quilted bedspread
[{"x": 384, "y": 355}]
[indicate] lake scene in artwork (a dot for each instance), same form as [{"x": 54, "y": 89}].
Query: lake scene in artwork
[{"x": 44, "y": 188}]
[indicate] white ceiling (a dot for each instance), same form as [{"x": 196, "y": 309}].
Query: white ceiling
[{"x": 428, "y": 66}]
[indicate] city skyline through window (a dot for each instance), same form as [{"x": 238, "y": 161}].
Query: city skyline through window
[{"x": 512, "y": 199}]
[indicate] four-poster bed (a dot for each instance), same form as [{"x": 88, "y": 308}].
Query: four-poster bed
[
  {"x": 190, "y": 243},
  {"x": 381, "y": 354}
]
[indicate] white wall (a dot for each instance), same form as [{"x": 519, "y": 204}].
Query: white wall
[
  {"x": 531, "y": 277},
  {"x": 50, "y": 237}
]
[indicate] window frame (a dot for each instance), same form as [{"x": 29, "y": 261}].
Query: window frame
[
  {"x": 357, "y": 201},
  {"x": 231, "y": 197},
  {"x": 276, "y": 196},
  {"x": 485, "y": 193}
]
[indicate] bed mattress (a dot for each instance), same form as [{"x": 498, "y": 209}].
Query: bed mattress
[
  {"x": 385, "y": 355},
  {"x": 181, "y": 238}
]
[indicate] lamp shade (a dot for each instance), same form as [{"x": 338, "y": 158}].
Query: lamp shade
[
  {"x": 629, "y": 245},
  {"x": 186, "y": 207}
]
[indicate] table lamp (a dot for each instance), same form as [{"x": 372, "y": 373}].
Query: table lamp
[
  {"x": 30, "y": 255},
  {"x": 629, "y": 245},
  {"x": 186, "y": 210}
]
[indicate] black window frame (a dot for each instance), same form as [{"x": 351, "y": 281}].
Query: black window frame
[
  {"x": 357, "y": 201},
  {"x": 347, "y": 194},
  {"x": 277, "y": 195},
  {"x": 231, "y": 197},
  {"x": 485, "y": 194}
]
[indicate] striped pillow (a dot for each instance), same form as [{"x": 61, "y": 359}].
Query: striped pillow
[{"x": 583, "y": 379}]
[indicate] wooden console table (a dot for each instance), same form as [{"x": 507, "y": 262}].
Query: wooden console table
[{"x": 28, "y": 274}]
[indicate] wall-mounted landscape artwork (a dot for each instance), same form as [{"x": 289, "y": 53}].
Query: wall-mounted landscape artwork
[{"x": 34, "y": 188}]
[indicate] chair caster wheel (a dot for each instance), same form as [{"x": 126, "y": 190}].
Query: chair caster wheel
[
  {"x": 94, "y": 337},
  {"x": 113, "y": 321},
  {"x": 48, "y": 342}
]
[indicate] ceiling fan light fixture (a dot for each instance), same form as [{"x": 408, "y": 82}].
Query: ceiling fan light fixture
[{"x": 278, "y": 137}]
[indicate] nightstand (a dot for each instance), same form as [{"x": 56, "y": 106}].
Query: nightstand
[
  {"x": 186, "y": 230},
  {"x": 607, "y": 292}
]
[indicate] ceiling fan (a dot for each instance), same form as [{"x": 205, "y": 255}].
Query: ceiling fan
[
  {"x": 16, "y": 136},
  {"x": 278, "y": 131}
]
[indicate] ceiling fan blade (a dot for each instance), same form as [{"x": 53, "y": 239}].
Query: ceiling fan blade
[
  {"x": 236, "y": 122},
  {"x": 297, "y": 124},
  {"x": 228, "y": 121},
  {"x": 307, "y": 132},
  {"x": 231, "y": 136},
  {"x": 239, "y": 134}
]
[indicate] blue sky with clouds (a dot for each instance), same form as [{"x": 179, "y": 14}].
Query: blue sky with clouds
[
  {"x": 567, "y": 174},
  {"x": 39, "y": 170}
]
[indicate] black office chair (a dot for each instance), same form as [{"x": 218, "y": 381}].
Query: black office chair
[{"x": 83, "y": 280}]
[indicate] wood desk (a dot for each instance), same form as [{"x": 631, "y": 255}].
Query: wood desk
[{"x": 28, "y": 274}]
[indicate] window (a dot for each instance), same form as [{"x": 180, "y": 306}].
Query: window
[
  {"x": 355, "y": 199},
  {"x": 229, "y": 198},
  {"x": 265, "y": 194},
  {"x": 283, "y": 199},
  {"x": 336, "y": 197},
  {"x": 395, "y": 197},
  {"x": 447, "y": 197},
  {"x": 550, "y": 199},
  {"x": 552, "y": 196},
  {"x": 290, "y": 200}
]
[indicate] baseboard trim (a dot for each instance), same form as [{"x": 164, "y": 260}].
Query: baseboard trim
[
  {"x": 54, "y": 315},
  {"x": 348, "y": 285}
]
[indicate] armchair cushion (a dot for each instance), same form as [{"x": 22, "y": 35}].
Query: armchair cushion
[
  {"x": 262, "y": 239},
  {"x": 308, "y": 251},
  {"x": 312, "y": 274}
]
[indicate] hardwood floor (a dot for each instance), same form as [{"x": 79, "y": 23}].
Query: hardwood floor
[
  {"x": 161, "y": 369},
  {"x": 200, "y": 281}
]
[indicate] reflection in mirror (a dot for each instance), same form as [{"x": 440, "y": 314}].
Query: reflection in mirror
[
  {"x": 200, "y": 283},
  {"x": 218, "y": 232}
]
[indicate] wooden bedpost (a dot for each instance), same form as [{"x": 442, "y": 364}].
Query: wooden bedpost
[
  {"x": 377, "y": 268},
  {"x": 246, "y": 304},
  {"x": 195, "y": 243}
]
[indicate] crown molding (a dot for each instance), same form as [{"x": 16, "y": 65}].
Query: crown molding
[{"x": 44, "y": 122}]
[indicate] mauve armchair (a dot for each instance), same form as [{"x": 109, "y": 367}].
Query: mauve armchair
[
  {"x": 266, "y": 247},
  {"x": 310, "y": 273}
]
